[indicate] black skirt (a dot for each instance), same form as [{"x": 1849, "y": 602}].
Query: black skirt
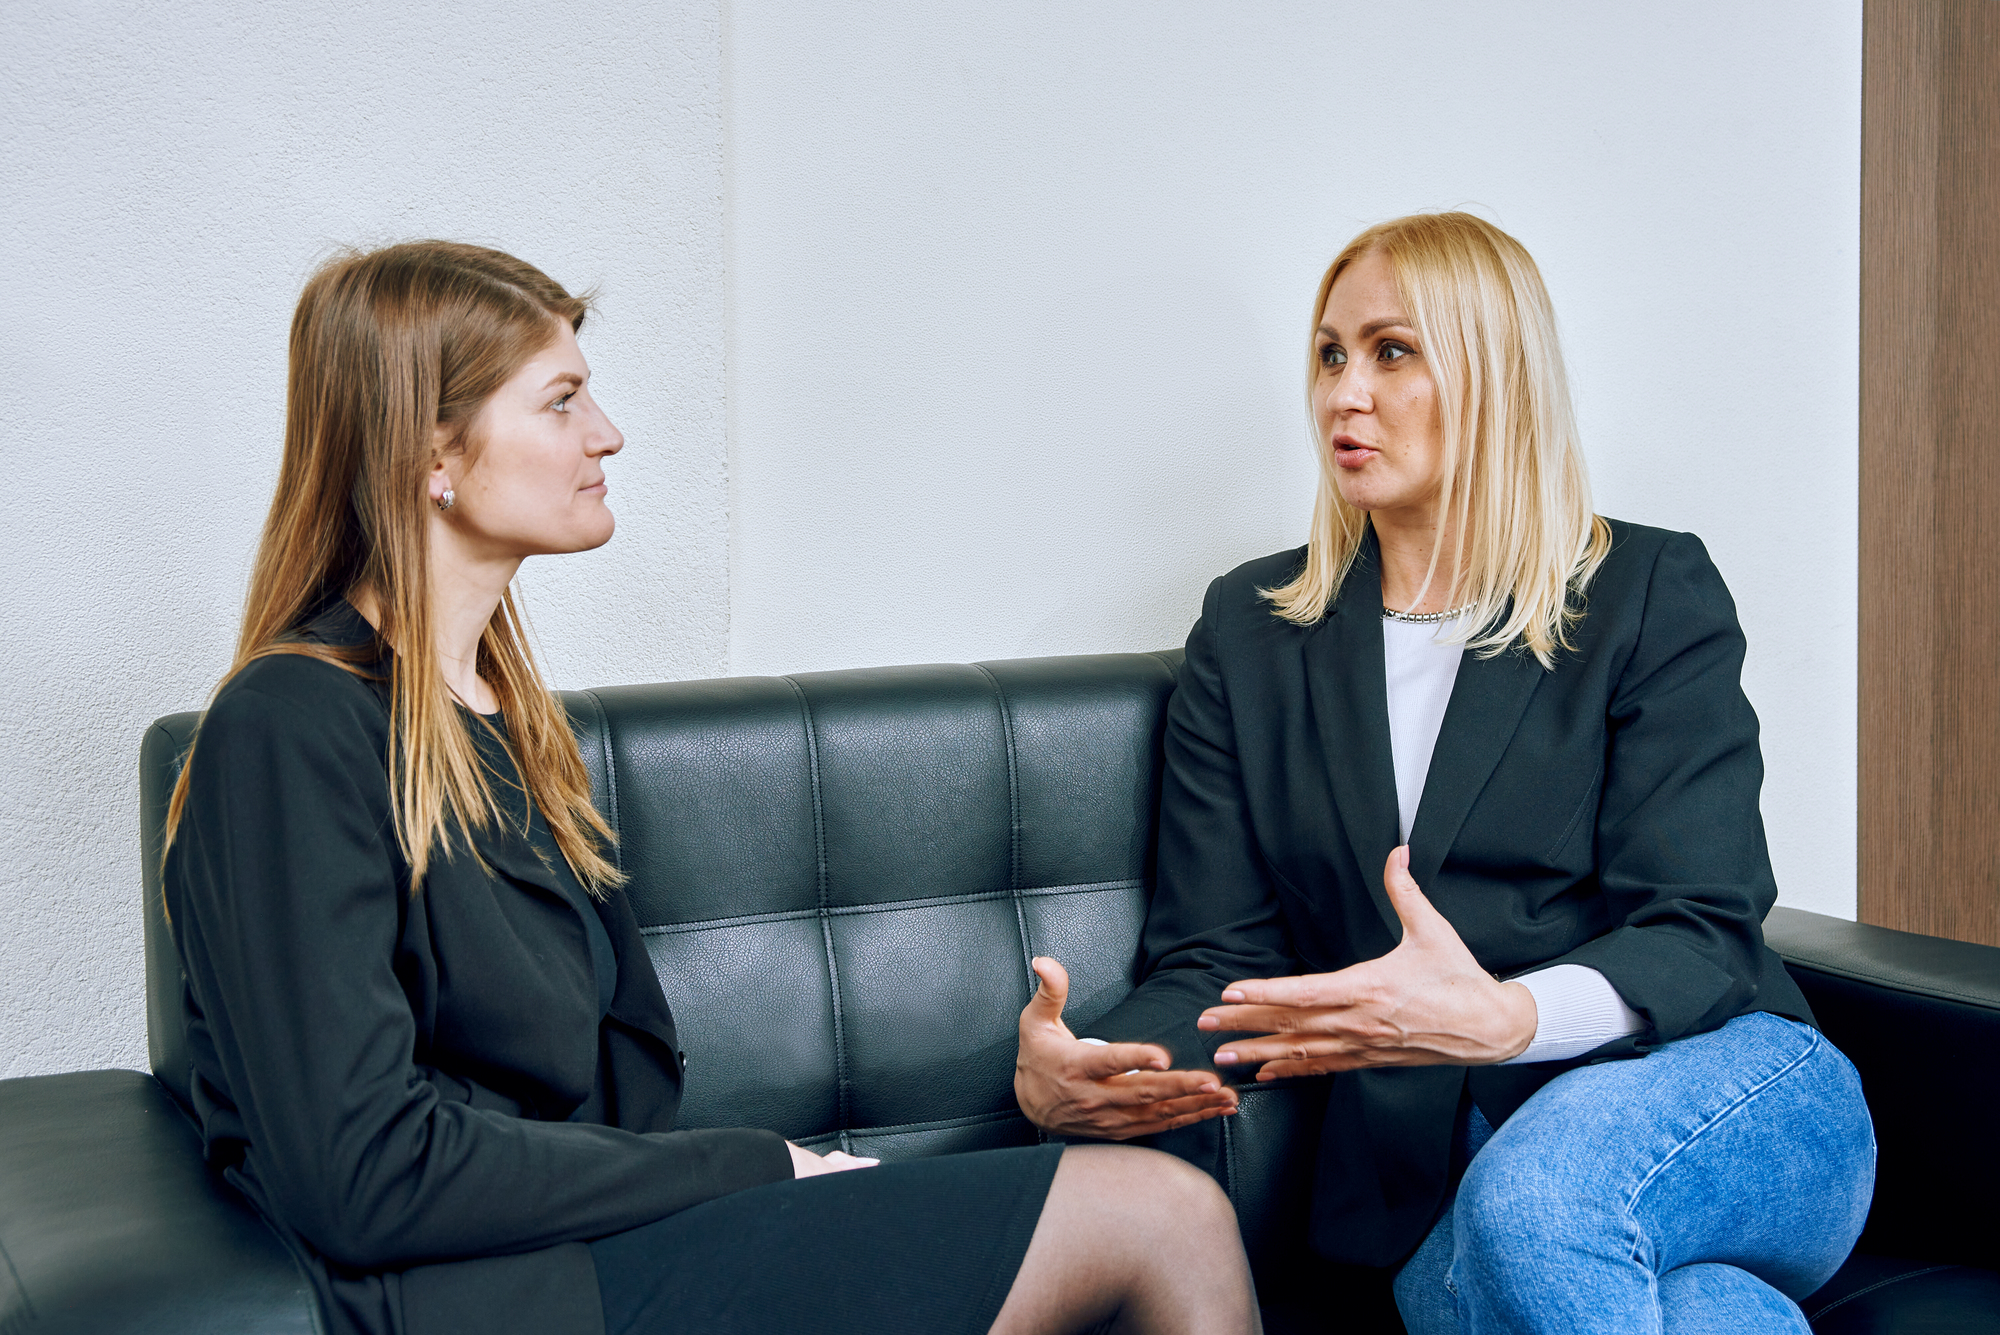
[{"x": 926, "y": 1246}]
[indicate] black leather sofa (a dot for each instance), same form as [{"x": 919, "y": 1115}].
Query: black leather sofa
[{"x": 842, "y": 877}]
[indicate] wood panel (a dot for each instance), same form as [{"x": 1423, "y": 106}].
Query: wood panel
[{"x": 1929, "y": 827}]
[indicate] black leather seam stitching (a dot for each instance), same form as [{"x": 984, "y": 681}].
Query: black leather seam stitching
[
  {"x": 843, "y": 1092},
  {"x": 1013, "y": 825},
  {"x": 941, "y": 1124},
  {"x": 610, "y": 780},
  {"x": 1229, "y": 1164},
  {"x": 893, "y": 906},
  {"x": 1878, "y": 1284},
  {"x": 1087, "y": 887}
]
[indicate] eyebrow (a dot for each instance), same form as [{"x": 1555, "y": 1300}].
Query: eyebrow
[
  {"x": 565, "y": 378},
  {"x": 1373, "y": 326}
]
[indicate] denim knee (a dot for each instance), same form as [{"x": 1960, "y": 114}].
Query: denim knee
[{"x": 1523, "y": 1207}]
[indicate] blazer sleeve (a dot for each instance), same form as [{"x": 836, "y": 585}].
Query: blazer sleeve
[
  {"x": 1214, "y": 916},
  {"x": 287, "y": 914},
  {"x": 1681, "y": 854}
]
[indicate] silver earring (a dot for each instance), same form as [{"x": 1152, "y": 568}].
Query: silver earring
[{"x": 446, "y": 501}]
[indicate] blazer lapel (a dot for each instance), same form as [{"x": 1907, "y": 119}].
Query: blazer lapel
[
  {"x": 1487, "y": 701},
  {"x": 506, "y": 849},
  {"x": 1350, "y": 704}
]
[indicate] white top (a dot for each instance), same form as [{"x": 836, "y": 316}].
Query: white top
[
  {"x": 1420, "y": 670},
  {"x": 1576, "y": 1007}
]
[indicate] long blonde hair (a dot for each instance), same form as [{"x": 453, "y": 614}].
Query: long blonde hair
[
  {"x": 386, "y": 347},
  {"x": 1515, "y": 490}
]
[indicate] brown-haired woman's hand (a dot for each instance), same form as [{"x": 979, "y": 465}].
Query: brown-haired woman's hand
[
  {"x": 1108, "y": 1091},
  {"x": 1425, "y": 1003},
  {"x": 807, "y": 1164}
]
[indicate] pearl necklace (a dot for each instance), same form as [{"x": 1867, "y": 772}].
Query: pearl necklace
[{"x": 1425, "y": 618}]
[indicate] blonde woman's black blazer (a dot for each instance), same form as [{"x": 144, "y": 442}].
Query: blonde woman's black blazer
[
  {"x": 422, "y": 1093},
  {"x": 1603, "y": 813}
]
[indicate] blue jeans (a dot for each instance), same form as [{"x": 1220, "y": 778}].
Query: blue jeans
[{"x": 1701, "y": 1188}]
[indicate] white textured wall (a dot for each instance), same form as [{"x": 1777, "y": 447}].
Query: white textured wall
[
  {"x": 173, "y": 172},
  {"x": 1019, "y": 295}
]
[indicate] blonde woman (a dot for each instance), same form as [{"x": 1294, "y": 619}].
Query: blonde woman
[
  {"x": 1461, "y": 803},
  {"x": 428, "y": 1044}
]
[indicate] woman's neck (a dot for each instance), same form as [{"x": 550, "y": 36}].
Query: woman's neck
[
  {"x": 462, "y": 606},
  {"x": 1407, "y": 537},
  {"x": 464, "y": 596}
]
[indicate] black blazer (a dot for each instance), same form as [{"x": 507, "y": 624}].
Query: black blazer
[
  {"x": 422, "y": 1093},
  {"x": 1603, "y": 813}
]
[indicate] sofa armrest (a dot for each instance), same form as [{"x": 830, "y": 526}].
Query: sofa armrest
[
  {"x": 1920, "y": 1018},
  {"x": 111, "y": 1222}
]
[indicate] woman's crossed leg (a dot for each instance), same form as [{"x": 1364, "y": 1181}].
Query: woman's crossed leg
[{"x": 1700, "y": 1189}]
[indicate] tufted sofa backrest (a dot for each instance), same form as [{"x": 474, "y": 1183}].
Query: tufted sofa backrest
[{"x": 842, "y": 876}]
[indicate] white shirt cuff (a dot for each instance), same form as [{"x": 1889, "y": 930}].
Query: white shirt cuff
[{"x": 1576, "y": 1009}]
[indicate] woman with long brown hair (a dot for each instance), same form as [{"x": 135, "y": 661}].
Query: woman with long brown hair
[{"x": 428, "y": 1043}]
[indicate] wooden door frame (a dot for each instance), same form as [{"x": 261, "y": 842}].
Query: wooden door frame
[{"x": 1928, "y": 857}]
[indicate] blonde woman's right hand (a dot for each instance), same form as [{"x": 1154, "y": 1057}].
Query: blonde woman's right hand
[{"x": 807, "y": 1164}]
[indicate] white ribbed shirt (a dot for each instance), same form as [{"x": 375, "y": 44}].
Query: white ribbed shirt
[{"x": 1576, "y": 1008}]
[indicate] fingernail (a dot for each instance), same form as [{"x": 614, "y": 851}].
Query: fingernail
[
  {"x": 1231, "y": 994},
  {"x": 1225, "y": 1059},
  {"x": 1208, "y": 1088},
  {"x": 1208, "y": 1022}
]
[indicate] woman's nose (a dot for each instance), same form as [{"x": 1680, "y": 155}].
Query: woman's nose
[
  {"x": 1350, "y": 393},
  {"x": 607, "y": 439}
]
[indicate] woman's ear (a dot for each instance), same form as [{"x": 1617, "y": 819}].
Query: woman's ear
[{"x": 438, "y": 486}]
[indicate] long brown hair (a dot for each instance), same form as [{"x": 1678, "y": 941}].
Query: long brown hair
[
  {"x": 388, "y": 346},
  {"x": 1515, "y": 486}
]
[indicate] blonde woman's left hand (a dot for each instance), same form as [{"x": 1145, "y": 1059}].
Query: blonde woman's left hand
[{"x": 1425, "y": 1003}]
